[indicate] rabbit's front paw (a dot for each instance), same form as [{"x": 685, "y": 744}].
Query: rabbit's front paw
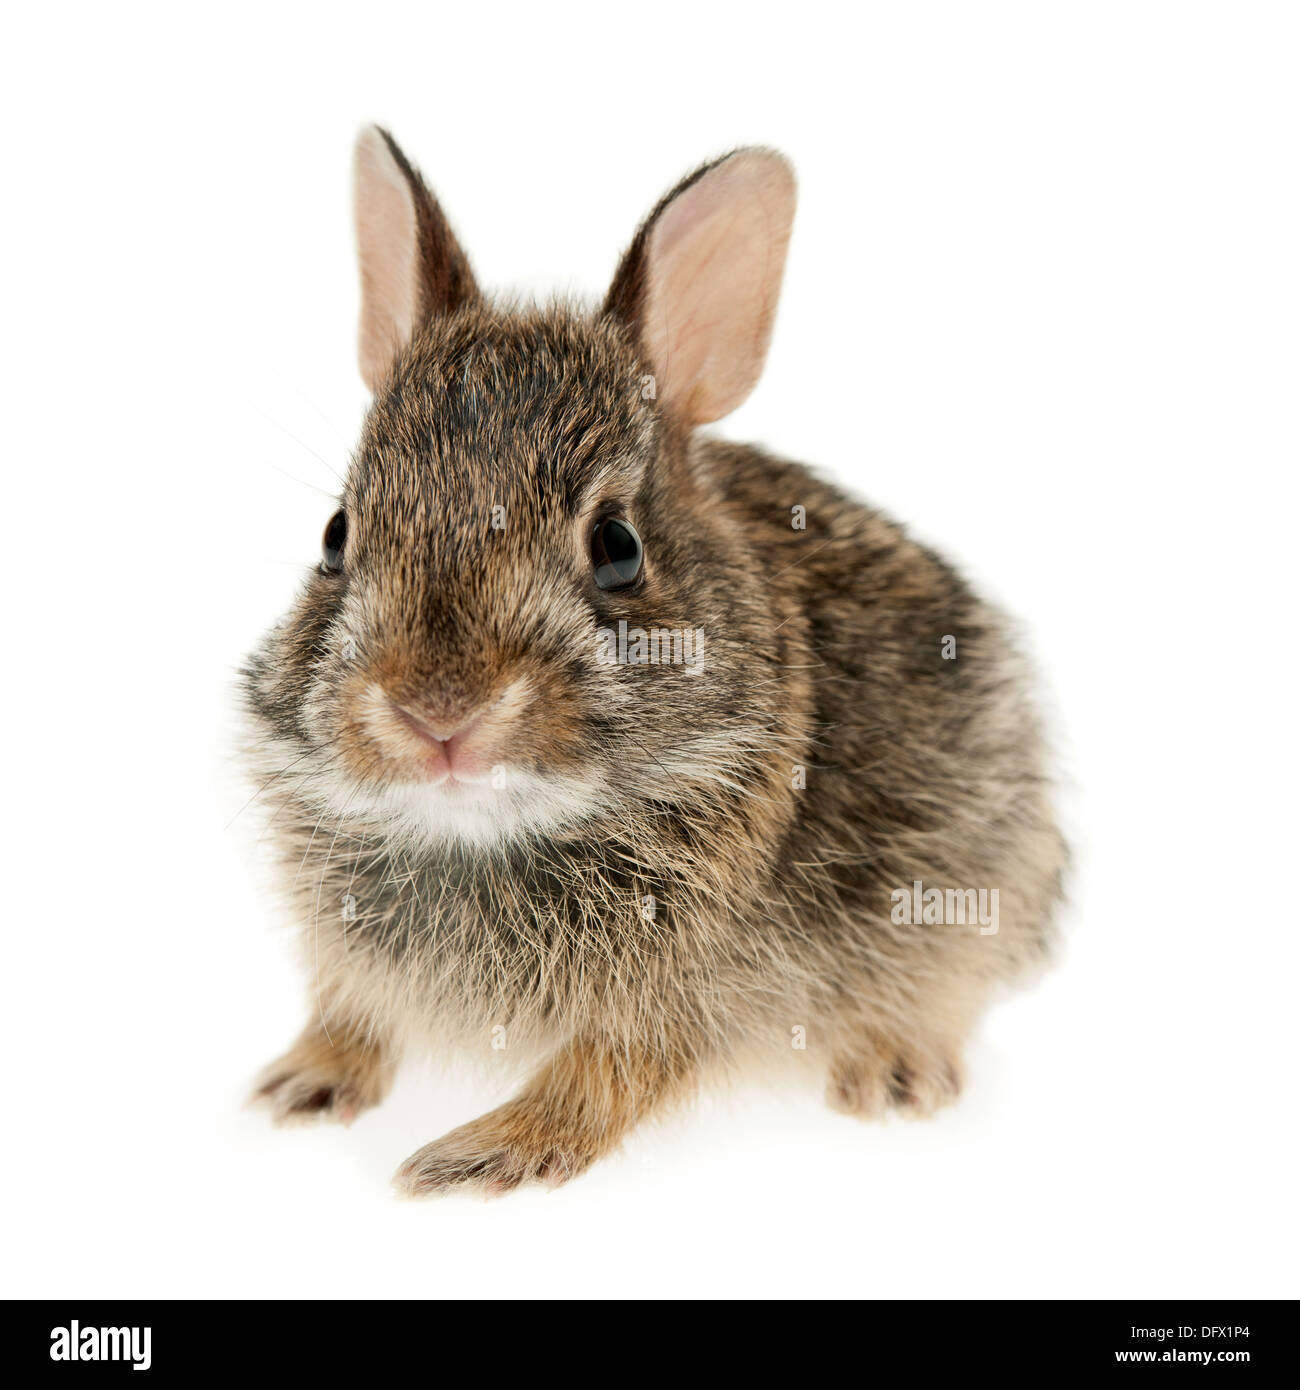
[
  {"x": 319, "y": 1078},
  {"x": 492, "y": 1155},
  {"x": 914, "y": 1080}
]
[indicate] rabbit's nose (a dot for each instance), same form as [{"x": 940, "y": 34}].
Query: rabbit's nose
[
  {"x": 464, "y": 740},
  {"x": 455, "y": 742},
  {"x": 438, "y": 726}
]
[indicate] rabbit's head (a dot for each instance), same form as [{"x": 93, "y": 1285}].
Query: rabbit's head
[{"x": 536, "y": 613}]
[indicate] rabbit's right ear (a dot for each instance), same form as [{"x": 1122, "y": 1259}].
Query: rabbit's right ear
[{"x": 412, "y": 266}]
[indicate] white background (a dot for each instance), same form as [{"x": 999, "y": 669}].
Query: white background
[{"x": 1042, "y": 304}]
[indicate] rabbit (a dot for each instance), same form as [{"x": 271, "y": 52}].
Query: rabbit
[{"x": 639, "y": 755}]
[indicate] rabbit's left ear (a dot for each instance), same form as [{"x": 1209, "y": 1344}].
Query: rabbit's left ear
[
  {"x": 412, "y": 267},
  {"x": 699, "y": 285}
]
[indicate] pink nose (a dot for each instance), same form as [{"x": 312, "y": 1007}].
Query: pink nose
[
  {"x": 449, "y": 739},
  {"x": 435, "y": 726}
]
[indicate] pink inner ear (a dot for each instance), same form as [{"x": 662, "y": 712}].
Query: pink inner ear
[
  {"x": 715, "y": 262},
  {"x": 386, "y": 248}
]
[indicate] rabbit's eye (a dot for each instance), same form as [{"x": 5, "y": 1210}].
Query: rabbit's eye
[
  {"x": 615, "y": 553},
  {"x": 336, "y": 533}
]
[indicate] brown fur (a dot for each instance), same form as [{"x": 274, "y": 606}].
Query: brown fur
[
  {"x": 340, "y": 1074},
  {"x": 446, "y": 281},
  {"x": 772, "y": 900}
]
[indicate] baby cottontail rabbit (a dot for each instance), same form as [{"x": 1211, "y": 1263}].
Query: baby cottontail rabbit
[{"x": 639, "y": 753}]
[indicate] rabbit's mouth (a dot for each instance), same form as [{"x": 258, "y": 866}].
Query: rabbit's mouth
[
  {"x": 452, "y": 747},
  {"x": 437, "y": 777},
  {"x": 451, "y": 752}
]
